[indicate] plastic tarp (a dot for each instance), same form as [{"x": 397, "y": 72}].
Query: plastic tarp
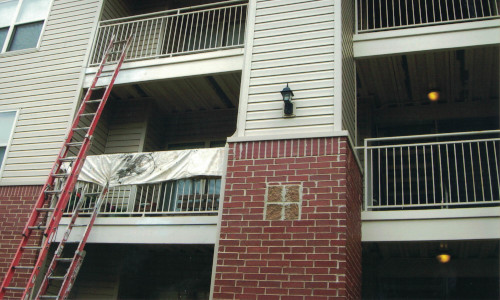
[{"x": 152, "y": 167}]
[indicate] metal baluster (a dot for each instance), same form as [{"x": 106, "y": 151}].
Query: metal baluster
[
  {"x": 496, "y": 167},
  {"x": 472, "y": 169},
  {"x": 465, "y": 174},
  {"x": 480, "y": 169},
  {"x": 489, "y": 169},
  {"x": 425, "y": 176},
  {"x": 417, "y": 165}
]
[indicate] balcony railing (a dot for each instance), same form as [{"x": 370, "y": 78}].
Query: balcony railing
[
  {"x": 432, "y": 171},
  {"x": 376, "y": 15},
  {"x": 186, "y": 196},
  {"x": 176, "y": 32}
]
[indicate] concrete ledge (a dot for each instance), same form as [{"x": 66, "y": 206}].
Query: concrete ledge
[
  {"x": 174, "y": 67},
  {"x": 146, "y": 230},
  {"x": 428, "y": 38},
  {"x": 431, "y": 225}
]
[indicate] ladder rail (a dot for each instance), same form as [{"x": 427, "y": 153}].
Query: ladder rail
[
  {"x": 80, "y": 253},
  {"x": 68, "y": 181},
  {"x": 78, "y": 257}
]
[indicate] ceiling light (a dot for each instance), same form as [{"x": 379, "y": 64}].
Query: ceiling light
[
  {"x": 443, "y": 258},
  {"x": 433, "y": 95}
]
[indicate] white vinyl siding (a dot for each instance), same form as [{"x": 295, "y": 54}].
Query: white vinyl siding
[
  {"x": 293, "y": 43},
  {"x": 348, "y": 70},
  {"x": 44, "y": 86}
]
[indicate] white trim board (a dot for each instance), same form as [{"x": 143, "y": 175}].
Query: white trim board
[{"x": 429, "y": 38}]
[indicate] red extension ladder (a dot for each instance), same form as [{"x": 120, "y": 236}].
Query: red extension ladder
[{"x": 58, "y": 190}]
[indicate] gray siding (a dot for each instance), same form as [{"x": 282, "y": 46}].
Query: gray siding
[
  {"x": 348, "y": 70},
  {"x": 113, "y": 9},
  {"x": 43, "y": 84},
  {"x": 293, "y": 43},
  {"x": 127, "y": 126}
]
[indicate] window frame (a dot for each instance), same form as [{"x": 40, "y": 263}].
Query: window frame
[
  {"x": 11, "y": 136},
  {"x": 14, "y": 24}
]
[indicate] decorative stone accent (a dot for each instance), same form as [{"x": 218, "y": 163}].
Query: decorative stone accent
[
  {"x": 281, "y": 197},
  {"x": 292, "y": 193},
  {"x": 274, "y": 193},
  {"x": 292, "y": 212},
  {"x": 273, "y": 212}
]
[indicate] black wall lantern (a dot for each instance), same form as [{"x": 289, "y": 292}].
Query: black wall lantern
[{"x": 287, "y": 94}]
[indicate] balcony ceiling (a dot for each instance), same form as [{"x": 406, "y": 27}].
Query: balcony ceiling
[
  {"x": 200, "y": 93},
  {"x": 469, "y": 75},
  {"x": 417, "y": 250}
]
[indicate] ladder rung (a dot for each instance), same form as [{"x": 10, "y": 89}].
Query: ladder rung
[
  {"x": 13, "y": 288},
  {"x": 24, "y": 267},
  {"x": 94, "y": 101},
  {"x": 92, "y": 194},
  {"x": 81, "y": 128},
  {"x": 37, "y": 227},
  {"x": 85, "y": 209},
  {"x": 48, "y": 297},
  {"x": 98, "y": 88},
  {"x": 56, "y": 277},
  {"x": 33, "y": 247},
  {"x": 78, "y": 225},
  {"x": 87, "y": 114},
  {"x": 120, "y": 42},
  {"x": 64, "y": 259},
  {"x": 61, "y": 175},
  {"x": 74, "y": 144},
  {"x": 72, "y": 158},
  {"x": 53, "y": 192},
  {"x": 45, "y": 209},
  {"x": 105, "y": 75}
]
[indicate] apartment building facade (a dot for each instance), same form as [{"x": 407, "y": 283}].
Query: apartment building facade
[{"x": 388, "y": 157}]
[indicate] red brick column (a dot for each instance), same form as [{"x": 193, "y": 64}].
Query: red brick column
[
  {"x": 290, "y": 222},
  {"x": 16, "y": 203}
]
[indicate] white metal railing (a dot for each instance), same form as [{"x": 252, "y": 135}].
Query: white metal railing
[
  {"x": 175, "y": 32},
  {"x": 375, "y": 15},
  {"x": 193, "y": 195},
  {"x": 432, "y": 171}
]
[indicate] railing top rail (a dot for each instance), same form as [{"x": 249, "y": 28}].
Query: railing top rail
[
  {"x": 426, "y": 24},
  {"x": 437, "y": 135},
  {"x": 429, "y": 143},
  {"x": 176, "y": 11}
]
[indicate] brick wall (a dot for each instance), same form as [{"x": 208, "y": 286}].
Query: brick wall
[
  {"x": 354, "y": 195},
  {"x": 16, "y": 203},
  {"x": 275, "y": 244}
]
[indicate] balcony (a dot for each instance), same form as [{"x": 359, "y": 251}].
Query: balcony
[
  {"x": 392, "y": 27},
  {"x": 438, "y": 171},
  {"x": 156, "y": 197},
  {"x": 182, "y": 31},
  {"x": 399, "y": 14}
]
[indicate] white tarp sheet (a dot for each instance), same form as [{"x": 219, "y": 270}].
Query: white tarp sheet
[{"x": 152, "y": 167}]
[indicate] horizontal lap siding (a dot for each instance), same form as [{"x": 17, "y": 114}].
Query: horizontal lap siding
[
  {"x": 293, "y": 43},
  {"x": 43, "y": 85},
  {"x": 127, "y": 126}
]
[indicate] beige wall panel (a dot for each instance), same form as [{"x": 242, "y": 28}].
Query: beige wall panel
[{"x": 43, "y": 85}]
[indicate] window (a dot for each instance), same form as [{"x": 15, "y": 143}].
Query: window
[
  {"x": 7, "y": 120},
  {"x": 21, "y": 23}
]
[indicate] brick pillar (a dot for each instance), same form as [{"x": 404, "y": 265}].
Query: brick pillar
[
  {"x": 290, "y": 222},
  {"x": 16, "y": 203}
]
